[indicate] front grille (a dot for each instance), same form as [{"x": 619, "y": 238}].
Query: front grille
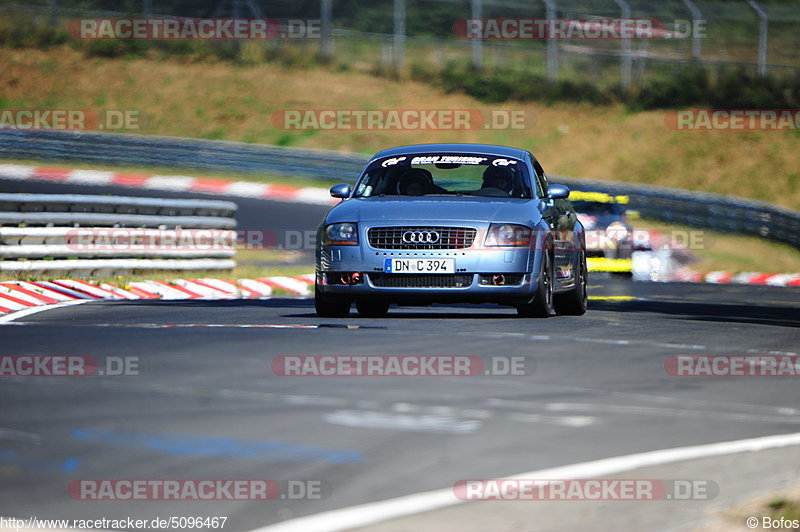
[
  {"x": 390, "y": 280},
  {"x": 448, "y": 237}
]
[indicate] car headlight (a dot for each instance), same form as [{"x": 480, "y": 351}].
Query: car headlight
[
  {"x": 617, "y": 231},
  {"x": 509, "y": 235},
  {"x": 345, "y": 234}
]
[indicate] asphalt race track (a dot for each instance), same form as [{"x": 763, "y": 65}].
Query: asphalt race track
[{"x": 206, "y": 403}]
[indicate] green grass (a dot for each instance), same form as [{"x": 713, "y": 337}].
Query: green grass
[
  {"x": 216, "y": 99},
  {"x": 783, "y": 508}
]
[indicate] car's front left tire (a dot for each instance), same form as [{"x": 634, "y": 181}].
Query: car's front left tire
[
  {"x": 574, "y": 302},
  {"x": 329, "y": 307},
  {"x": 542, "y": 304}
]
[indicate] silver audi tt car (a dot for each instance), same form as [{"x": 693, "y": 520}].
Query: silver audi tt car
[{"x": 451, "y": 223}]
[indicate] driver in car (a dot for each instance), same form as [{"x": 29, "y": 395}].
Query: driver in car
[
  {"x": 498, "y": 177},
  {"x": 417, "y": 182}
]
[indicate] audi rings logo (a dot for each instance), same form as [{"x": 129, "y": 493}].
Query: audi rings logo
[{"x": 420, "y": 237}]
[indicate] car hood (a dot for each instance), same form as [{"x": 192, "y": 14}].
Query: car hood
[{"x": 438, "y": 208}]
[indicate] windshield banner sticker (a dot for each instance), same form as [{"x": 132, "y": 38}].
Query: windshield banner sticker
[{"x": 448, "y": 159}]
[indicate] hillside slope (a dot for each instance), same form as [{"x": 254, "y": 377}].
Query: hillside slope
[{"x": 224, "y": 101}]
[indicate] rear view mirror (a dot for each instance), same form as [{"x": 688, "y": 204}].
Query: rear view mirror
[
  {"x": 340, "y": 191},
  {"x": 558, "y": 192}
]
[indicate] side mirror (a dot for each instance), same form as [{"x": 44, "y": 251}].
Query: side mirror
[
  {"x": 341, "y": 191},
  {"x": 558, "y": 192}
]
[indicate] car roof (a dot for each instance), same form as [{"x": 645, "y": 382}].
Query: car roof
[{"x": 483, "y": 149}]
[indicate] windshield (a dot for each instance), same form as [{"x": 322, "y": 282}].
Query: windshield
[{"x": 427, "y": 174}]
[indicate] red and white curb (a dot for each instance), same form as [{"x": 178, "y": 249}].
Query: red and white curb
[
  {"x": 172, "y": 183},
  {"x": 22, "y": 295},
  {"x": 753, "y": 278}
]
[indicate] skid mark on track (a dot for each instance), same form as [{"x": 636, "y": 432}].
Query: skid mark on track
[
  {"x": 19, "y": 435},
  {"x": 10, "y": 458},
  {"x": 696, "y": 409},
  {"x": 621, "y": 342},
  {"x": 194, "y": 445},
  {"x": 485, "y": 334},
  {"x": 426, "y": 416}
]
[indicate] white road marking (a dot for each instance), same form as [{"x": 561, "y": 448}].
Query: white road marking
[
  {"x": 90, "y": 177},
  {"x": 436, "y": 423},
  {"x": 8, "y": 318},
  {"x": 567, "y": 421},
  {"x": 376, "y": 512},
  {"x": 669, "y": 412},
  {"x": 16, "y": 171},
  {"x": 169, "y": 182}
]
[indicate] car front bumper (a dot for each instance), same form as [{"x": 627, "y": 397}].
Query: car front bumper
[{"x": 473, "y": 270}]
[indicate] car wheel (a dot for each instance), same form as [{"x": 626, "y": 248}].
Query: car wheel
[
  {"x": 574, "y": 302},
  {"x": 372, "y": 308},
  {"x": 328, "y": 307},
  {"x": 542, "y": 304}
]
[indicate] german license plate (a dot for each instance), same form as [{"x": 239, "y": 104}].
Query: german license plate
[{"x": 420, "y": 266}]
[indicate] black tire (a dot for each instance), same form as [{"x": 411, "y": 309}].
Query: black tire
[
  {"x": 574, "y": 302},
  {"x": 372, "y": 308},
  {"x": 328, "y": 307},
  {"x": 542, "y": 304}
]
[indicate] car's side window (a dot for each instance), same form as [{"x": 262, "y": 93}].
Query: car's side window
[{"x": 541, "y": 178}]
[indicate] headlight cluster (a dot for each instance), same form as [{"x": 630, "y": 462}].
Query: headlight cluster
[
  {"x": 508, "y": 235},
  {"x": 344, "y": 234}
]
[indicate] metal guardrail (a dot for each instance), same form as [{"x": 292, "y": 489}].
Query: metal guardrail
[
  {"x": 175, "y": 152},
  {"x": 112, "y": 220},
  {"x": 695, "y": 209},
  {"x": 90, "y": 268},
  {"x": 115, "y": 204},
  {"x": 729, "y": 214},
  {"x": 88, "y": 235}
]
